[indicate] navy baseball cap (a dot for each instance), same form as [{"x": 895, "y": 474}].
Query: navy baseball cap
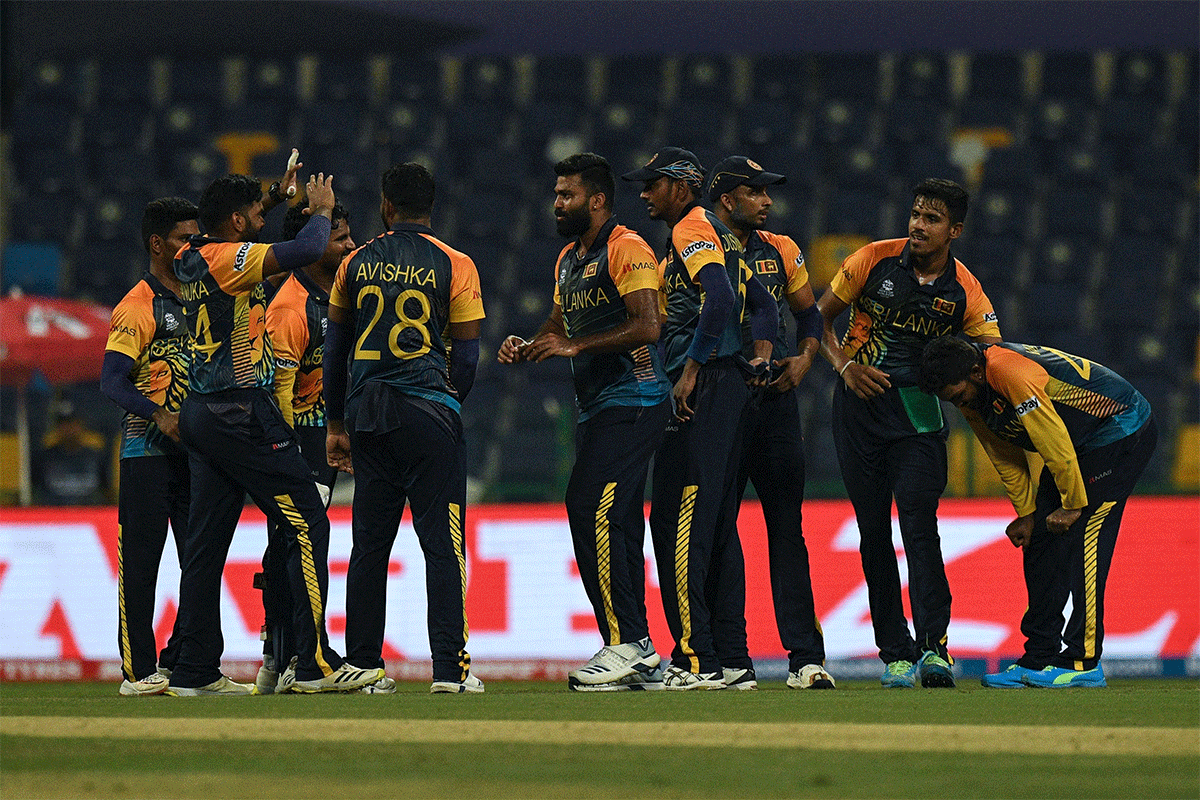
[
  {"x": 734, "y": 171},
  {"x": 673, "y": 162}
]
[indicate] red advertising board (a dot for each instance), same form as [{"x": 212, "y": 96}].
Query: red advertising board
[{"x": 526, "y": 604}]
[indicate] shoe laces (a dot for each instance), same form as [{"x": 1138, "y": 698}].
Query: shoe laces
[{"x": 899, "y": 667}]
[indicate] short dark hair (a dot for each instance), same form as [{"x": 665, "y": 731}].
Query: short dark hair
[
  {"x": 225, "y": 196},
  {"x": 163, "y": 214},
  {"x": 595, "y": 173},
  {"x": 945, "y": 361},
  {"x": 295, "y": 219},
  {"x": 409, "y": 188},
  {"x": 954, "y": 196}
]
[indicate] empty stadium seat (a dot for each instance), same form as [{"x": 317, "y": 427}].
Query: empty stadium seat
[
  {"x": 763, "y": 123},
  {"x": 415, "y": 79},
  {"x": 1064, "y": 258},
  {"x": 1141, "y": 74},
  {"x": 923, "y": 75},
  {"x": 562, "y": 78},
  {"x": 1069, "y": 75},
  {"x": 704, "y": 79},
  {"x": 634, "y": 80},
  {"x": 846, "y": 75},
  {"x": 344, "y": 80},
  {"x": 1076, "y": 211},
  {"x": 198, "y": 79},
  {"x": 487, "y": 78}
]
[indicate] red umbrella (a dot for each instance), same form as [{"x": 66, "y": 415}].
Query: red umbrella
[{"x": 63, "y": 339}]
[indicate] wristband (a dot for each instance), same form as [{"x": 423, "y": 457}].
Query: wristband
[
  {"x": 842, "y": 371},
  {"x": 275, "y": 194}
]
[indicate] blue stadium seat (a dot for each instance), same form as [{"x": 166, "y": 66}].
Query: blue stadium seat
[
  {"x": 930, "y": 161},
  {"x": 1129, "y": 119},
  {"x": 1143, "y": 257},
  {"x": 127, "y": 170},
  {"x": 268, "y": 116},
  {"x": 1077, "y": 166},
  {"x": 1142, "y": 74},
  {"x": 856, "y": 211},
  {"x": 354, "y": 171},
  {"x": 186, "y": 124},
  {"x": 847, "y": 76},
  {"x": 544, "y": 118},
  {"x": 634, "y": 80},
  {"x": 1064, "y": 258},
  {"x": 198, "y": 79},
  {"x": 1051, "y": 307},
  {"x": 487, "y": 78},
  {"x": 1126, "y": 293},
  {"x": 405, "y": 125},
  {"x": 997, "y": 75},
  {"x": 1148, "y": 208},
  {"x": 562, "y": 78},
  {"x": 1014, "y": 168},
  {"x": 1075, "y": 211},
  {"x": 50, "y": 170},
  {"x": 990, "y": 258},
  {"x": 1059, "y": 119},
  {"x": 331, "y": 123},
  {"x": 43, "y": 125},
  {"x": 839, "y": 121},
  {"x": 483, "y": 215},
  {"x": 475, "y": 122},
  {"x": 538, "y": 254},
  {"x": 763, "y": 123},
  {"x": 804, "y": 168},
  {"x": 923, "y": 75},
  {"x": 45, "y": 218},
  {"x": 1069, "y": 75},
  {"x": 782, "y": 78},
  {"x": 501, "y": 171},
  {"x": 990, "y": 111},
  {"x": 1000, "y": 212},
  {"x": 272, "y": 80},
  {"x": 415, "y": 79},
  {"x": 116, "y": 218},
  {"x": 704, "y": 79},
  {"x": 52, "y": 82},
  {"x": 193, "y": 168},
  {"x": 916, "y": 119},
  {"x": 115, "y": 126},
  {"x": 125, "y": 81},
  {"x": 344, "y": 80},
  {"x": 698, "y": 126},
  {"x": 864, "y": 167},
  {"x": 620, "y": 127}
]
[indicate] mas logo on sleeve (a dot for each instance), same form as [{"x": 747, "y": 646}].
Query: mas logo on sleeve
[{"x": 696, "y": 247}]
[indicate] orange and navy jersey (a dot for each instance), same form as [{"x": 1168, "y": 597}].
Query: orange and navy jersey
[
  {"x": 226, "y": 314},
  {"x": 699, "y": 239},
  {"x": 1055, "y": 404},
  {"x": 894, "y": 316},
  {"x": 148, "y": 326},
  {"x": 402, "y": 289},
  {"x": 778, "y": 264},
  {"x": 589, "y": 290},
  {"x": 297, "y": 318}
]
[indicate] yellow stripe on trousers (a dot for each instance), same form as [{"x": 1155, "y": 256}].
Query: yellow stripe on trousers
[
  {"x": 604, "y": 561},
  {"x": 1091, "y": 546},
  {"x": 456, "y": 537},
  {"x": 687, "y": 505},
  {"x": 126, "y": 650},
  {"x": 309, "y": 568}
]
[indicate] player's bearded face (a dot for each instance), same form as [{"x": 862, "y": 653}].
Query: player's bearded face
[
  {"x": 750, "y": 208},
  {"x": 572, "y": 221}
]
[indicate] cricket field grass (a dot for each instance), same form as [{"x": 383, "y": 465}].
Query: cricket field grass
[{"x": 1138, "y": 738}]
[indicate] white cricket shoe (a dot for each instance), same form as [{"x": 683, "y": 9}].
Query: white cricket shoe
[
  {"x": 651, "y": 681},
  {"x": 149, "y": 685},
  {"x": 615, "y": 662},
  {"x": 345, "y": 678},
  {"x": 810, "y": 676},
  {"x": 469, "y": 685},
  {"x": 384, "y": 685},
  {"x": 742, "y": 679},
  {"x": 680, "y": 680}
]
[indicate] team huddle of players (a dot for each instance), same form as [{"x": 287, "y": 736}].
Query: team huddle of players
[{"x": 248, "y": 368}]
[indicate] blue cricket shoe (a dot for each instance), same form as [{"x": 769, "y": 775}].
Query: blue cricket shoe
[
  {"x": 1061, "y": 678},
  {"x": 1011, "y": 678}
]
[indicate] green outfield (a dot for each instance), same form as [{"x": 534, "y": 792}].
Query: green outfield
[{"x": 1138, "y": 738}]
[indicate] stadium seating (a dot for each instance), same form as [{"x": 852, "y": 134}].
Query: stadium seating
[{"x": 1083, "y": 180}]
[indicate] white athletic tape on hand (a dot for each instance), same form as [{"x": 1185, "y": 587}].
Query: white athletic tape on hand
[
  {"x": 326, "y": 493},
  {"x": 291, "y": 190}
]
